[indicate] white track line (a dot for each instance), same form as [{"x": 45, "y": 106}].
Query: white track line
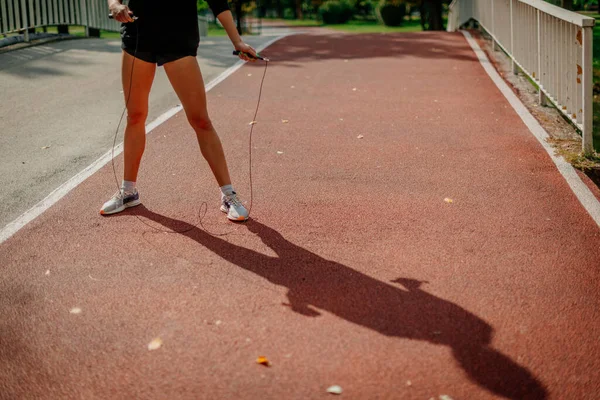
[
  {"x": 13, "y": 227},
  {"x": 582, "y": 192}
]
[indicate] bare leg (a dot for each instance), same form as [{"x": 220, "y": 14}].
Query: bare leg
[
  {"x": 186, "y": 79},
  {"x": 137, "y": 111}
]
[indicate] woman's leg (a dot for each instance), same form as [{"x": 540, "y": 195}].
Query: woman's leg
[
  {"x": 136, "y": 99},
  {"x": 137, "y": 80},
  {"x": 186, "y": 79}
]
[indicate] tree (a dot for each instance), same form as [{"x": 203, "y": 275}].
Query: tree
[
  {"x": 431, "y": 15},
  {"x": 568, "y": 4}
]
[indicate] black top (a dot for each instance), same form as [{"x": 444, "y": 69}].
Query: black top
[{"x": 166, "y": 25}]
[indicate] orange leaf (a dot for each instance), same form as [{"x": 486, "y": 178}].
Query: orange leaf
[{"x": 263, "y": 361}]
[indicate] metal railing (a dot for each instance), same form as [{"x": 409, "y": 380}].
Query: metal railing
[
  {"x": 551, "y": 45},
  {"x": 22, "y": 15}
]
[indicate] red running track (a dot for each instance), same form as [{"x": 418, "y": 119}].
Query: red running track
[{"x": 353, "y": 271}]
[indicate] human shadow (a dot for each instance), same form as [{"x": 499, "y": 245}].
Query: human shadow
[{"x": 315, "y": 284}]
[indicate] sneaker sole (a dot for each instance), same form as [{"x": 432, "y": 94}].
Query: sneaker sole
[
  {"x": 122, "y": 208},
  {"x": 226, "y": 211}
]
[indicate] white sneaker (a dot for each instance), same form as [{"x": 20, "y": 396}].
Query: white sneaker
[
  {"x": 120, "y": 201},
  {"x": 231, "y": 205}
]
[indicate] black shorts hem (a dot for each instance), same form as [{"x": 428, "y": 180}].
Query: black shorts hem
[{"x": 160, "y": 57}]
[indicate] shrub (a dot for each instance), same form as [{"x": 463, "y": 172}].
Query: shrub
[
  {"x": 336, "y": 11},
  {"x": 392, "y": 12}
]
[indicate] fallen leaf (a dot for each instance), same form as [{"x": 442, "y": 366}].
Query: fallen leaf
[
  {"x": 45, "y": 147},
  {"x": 218, "y": 323},
  {"x": 47, "y": 272},
  {"x": 354, "y": 89},
  {"x": 447, "y": 200},
  {"x": 249, "y": 74},
  {"x": 285, "y": 121},
  {"x": 75, "y": 310},
  {"x": 334, "y": 389},
  {"x": 155, "y": 344},
  {"x": 280, "y": 152},
  {"x": 263, "y": 361},
  {"x": 252, "y": 123},
  {"x": 360, "y": 137},
  {"x": 408, "y": 383},
  {"x": 445, "y": 397},
  {"x": 341, "y": 119}
]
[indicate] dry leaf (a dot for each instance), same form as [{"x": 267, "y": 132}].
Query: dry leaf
[
  {"x": 445, "y": 397},
  {"x": 218, "y": 323},
  {"x": 354, "y": 89},
  {"x": 75, "y": 310},
  {"x": 45, "y": 147},
  {"x": 447, "y": 200},
  {"x": 408, "y": 383},
  {"x": 47, "y": 272},
  {"x": 249, "y": 74},
  {"x": 263, "y": 361},
  {"x": 285, "y": 121},
  {"x": 280, "y": 152},
  {"x": 155, "y": 344},
  {"x": 252, "y": 123},
  {"x": 360, "y": 137},
  {"x": 334, "y": 389}
]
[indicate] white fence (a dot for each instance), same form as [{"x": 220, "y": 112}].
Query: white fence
[
  {"x": 21, "y": 15},
  {"x": 551, "y": 45}
]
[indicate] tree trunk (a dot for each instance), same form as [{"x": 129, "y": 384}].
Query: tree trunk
[
  {"x": 299, "y": 9},
  {"x": 279, "y": 7},
  {"x": 423, "y": 13},
  {"x": 432, "y": 9},
  {"x": 238, "y": 15},
  {"x": 567, "y": 4}
]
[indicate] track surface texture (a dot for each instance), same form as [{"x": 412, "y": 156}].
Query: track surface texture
[{"x": 353, "y": 270}]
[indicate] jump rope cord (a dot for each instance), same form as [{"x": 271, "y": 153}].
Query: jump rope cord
[{"x": 204, "y": 205}]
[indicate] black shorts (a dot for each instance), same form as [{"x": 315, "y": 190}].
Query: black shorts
[{"x": 160, "y": 58}]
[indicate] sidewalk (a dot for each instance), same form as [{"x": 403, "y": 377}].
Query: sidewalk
[
  {"x": 61, "y": 105},
  {"x": 410, "y": 238}
]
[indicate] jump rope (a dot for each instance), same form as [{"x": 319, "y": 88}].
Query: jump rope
[{"x": 204, "y": 204}]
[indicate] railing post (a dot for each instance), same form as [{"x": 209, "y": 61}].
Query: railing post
[
  {"x": 25, "y": 19},
  {"x": 494, "y": 43},
  {"x": 84, "y": 16},
  {"x": 515, "y": 69},
  {"x": 587, "y": 90},
  {"x": 543, "y": 100}
]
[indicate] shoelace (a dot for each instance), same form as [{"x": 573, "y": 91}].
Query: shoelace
[{"x": 232, "y": 199}]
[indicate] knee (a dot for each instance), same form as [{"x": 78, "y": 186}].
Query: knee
[
  {"x": 137, "y": 117},
  {"x": 200, "y": 123}
]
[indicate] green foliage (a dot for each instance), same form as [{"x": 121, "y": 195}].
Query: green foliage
[
  {"x": 336, "y": 11},
  {"x": 365, "y": 8},
  {"x": 202, "y": 6},
  {"x": 392, "y": 12}
]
